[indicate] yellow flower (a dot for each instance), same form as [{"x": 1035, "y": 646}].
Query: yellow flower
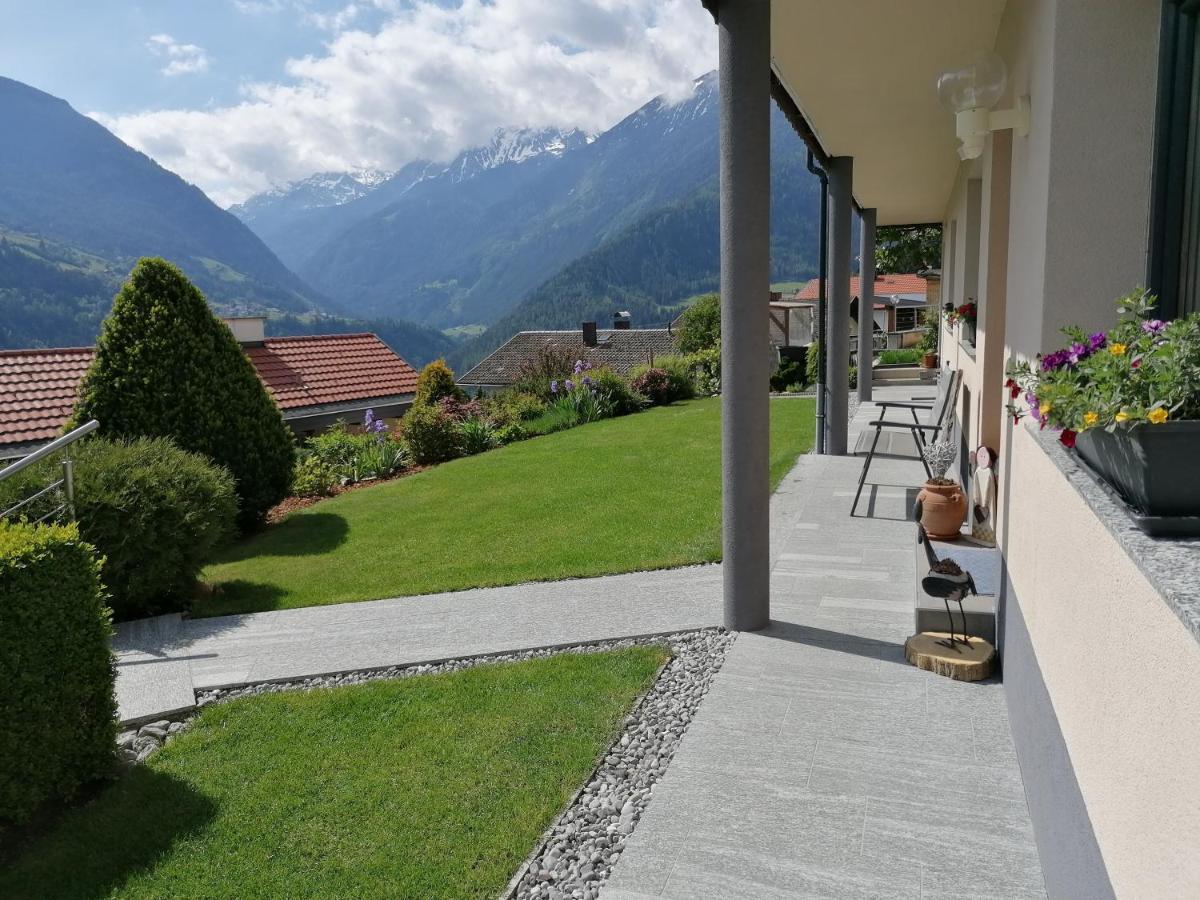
[
  {"x": 1090, "y": 419},
  {"x": 1044, "y": 409},
  {"x": 1116, "y": 349},
  {"x": 1122, "y": 417},
  {"x": 1157, "y": 416}
]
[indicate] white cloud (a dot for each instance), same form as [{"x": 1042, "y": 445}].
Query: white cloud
[
  {"x": 430, "y": 82},
  {"x": 337, "y": 21},
  {"x": 182, "y": 59}
]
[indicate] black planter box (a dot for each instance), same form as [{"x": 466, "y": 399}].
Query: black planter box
[{"x": 1155, "y": 469}]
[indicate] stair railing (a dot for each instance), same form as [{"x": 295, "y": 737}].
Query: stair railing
[{"x": 65, "y": 484}]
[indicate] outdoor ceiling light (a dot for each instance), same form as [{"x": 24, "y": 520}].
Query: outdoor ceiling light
[{"x": 970, "y": 93}]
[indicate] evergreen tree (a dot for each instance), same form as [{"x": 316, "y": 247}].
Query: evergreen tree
[{"x": 165, "y": 366}]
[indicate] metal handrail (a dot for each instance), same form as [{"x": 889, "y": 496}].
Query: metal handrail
[{"x": 67, "y": 482}]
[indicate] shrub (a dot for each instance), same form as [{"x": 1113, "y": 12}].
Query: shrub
[
  {"x": 155, "y": 514},
  {"x": 165, "y": 366},
  {"x": 460, "y": 410},
  {"x": 680, "y": 379},
  {"x": 432, "y": 435},
  {"x": 705, "y": 369},
  {"x": 314, "y": 477},
  {"x": 353, "y": 456},
  {"x": 551, "y": 362},
  {"x": 654, "y": 384},
  {"x": 435, "y": 383},
  {"x": 513, "y": 406},
  {"x": 700, "y": 325},
  {"x": 812, "y": 366},
  {"x": 511, "y": 433},
  {"x": 616, "y": 393},
  {"x": 478, "y": 435},
  {"x": 790, "y": 372},
  {"x": 906, "y": 356},
  {"x": 57, "y": 712}
]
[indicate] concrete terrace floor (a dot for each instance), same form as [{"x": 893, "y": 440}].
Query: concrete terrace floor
[{"x": 821, "y": 764}]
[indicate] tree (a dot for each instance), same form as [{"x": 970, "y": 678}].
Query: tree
[
  {"x": 436, "y": 382},
  {"x": 700, "y": 325},
  {"x": 165, "y": 366},
  {"x": 907, "y": 248}
]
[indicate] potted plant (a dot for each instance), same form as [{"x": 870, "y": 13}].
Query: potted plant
[
  {"x": 929, "y": 340},
  {"x": 1128, "y": 401},
  {"x": 943, "y": 503},
  {"x": 965, "y": 314}
]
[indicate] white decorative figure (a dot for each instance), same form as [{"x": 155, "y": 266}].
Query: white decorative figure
[{"x": 983, "y": 496}]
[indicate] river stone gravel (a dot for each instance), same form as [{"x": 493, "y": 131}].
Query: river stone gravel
[{"x": 578, "y": 851}]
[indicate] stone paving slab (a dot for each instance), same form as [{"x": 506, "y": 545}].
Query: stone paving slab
[
  {"x": 822, "y": 765},
  {"x": 160, "y": 663}
]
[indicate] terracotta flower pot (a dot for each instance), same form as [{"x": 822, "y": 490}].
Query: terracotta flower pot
[
  {"x": 929, "y": 360},
  {"x": 943, "y": 507}
]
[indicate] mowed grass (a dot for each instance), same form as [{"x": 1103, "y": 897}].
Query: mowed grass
[
  {"x": 433, "y": 786},
  {"x": 639, "y": 492}
]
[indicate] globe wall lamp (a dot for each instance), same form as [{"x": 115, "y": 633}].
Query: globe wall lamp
[{"x": 970, "y": 93}]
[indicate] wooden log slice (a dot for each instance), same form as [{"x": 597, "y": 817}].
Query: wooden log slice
[{"x": 963, "y": 663}]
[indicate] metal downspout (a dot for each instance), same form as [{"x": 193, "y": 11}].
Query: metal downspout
[{"x": 823, "y": 271}]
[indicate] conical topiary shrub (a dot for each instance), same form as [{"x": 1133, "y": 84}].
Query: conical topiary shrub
[{"x": 166, "y": 366}]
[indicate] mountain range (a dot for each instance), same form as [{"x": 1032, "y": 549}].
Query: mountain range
[{"x": 536, "y": 228}]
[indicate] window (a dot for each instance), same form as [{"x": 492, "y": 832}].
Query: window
[
  {"x": 906, "y": 318},
  {"x": 1174, "y": 273}
]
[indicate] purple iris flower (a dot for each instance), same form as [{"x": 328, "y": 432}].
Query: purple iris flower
[
  {"x": 587, "y": 380},
  {"x": 554, "y": 386},
  {"x": 1154, "y": 326},
  {"x": 578, "y": 366},
  {"x": 569, "y": 384}
]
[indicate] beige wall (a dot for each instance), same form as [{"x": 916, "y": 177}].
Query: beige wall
[{"x": 1121, "y": 671}]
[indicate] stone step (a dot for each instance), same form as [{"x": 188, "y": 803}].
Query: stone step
[{"x": 150, "y": 684}]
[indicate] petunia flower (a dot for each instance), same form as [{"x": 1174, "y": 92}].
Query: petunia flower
[
  {"x": 1154, "y": 326},
  {"x": 1067, "y": 437}
]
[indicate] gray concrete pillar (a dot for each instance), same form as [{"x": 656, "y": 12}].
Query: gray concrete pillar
[
  {"x": 866, "y": 300},
  {"x": 837, "y": 313},
  {"x": 745, "y": 73}
]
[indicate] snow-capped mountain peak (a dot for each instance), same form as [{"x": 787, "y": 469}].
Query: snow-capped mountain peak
[{"x": 515, "y": 145}]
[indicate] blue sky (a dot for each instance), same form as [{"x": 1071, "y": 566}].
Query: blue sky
[{"x": 237, "y": 95}]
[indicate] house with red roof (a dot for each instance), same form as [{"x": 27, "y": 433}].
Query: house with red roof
[
  {"x": 315, "y": 380},
  {"x": 899, "y": 299}
]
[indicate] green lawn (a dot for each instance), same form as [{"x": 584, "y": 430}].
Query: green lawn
[
  {"x": 639, "y": 492},
  {"x": 434, "y": 786}
]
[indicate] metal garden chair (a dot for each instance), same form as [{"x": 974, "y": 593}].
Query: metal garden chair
[{"x": 937, "y": 414}]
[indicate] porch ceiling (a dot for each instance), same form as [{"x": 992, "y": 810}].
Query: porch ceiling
[{"x": 864, "y": 75}]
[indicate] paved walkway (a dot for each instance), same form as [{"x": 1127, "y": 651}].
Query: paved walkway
[
  {"x": 822, "y": 765},
  {"x": 162, "y": 661}
]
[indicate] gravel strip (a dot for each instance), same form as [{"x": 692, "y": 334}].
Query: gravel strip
[{"x": 578, "y": 851}]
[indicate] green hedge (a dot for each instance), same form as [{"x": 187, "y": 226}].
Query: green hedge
[
  {"x": 57, "y": 712},
  {"x": 154, "y": 513}
]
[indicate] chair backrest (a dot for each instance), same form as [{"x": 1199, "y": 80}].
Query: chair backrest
[{"x": 942, "y": 409}]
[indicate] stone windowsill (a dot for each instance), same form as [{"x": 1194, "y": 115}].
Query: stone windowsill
[{"x": 1171, "y": 565}]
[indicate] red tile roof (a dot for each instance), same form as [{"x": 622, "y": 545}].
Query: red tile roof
[
  {"x": 334, "y": 368},
  {"x": 37, "y": 391},
  {"x": 38, "y": 387},
  {"x": 884, "y": 285}
]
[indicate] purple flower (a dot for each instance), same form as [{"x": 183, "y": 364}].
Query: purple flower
[
  {"x": 569, "y": 384},
  {"x": 1096, "y": 341},
  {"x": 587, "y": 380},
  {"x": 1154, "y": 326},
  {"x": 1076, "y": 352},
  {"x": 554, "y": 386},
  {"x": 578, "y": 366}
]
